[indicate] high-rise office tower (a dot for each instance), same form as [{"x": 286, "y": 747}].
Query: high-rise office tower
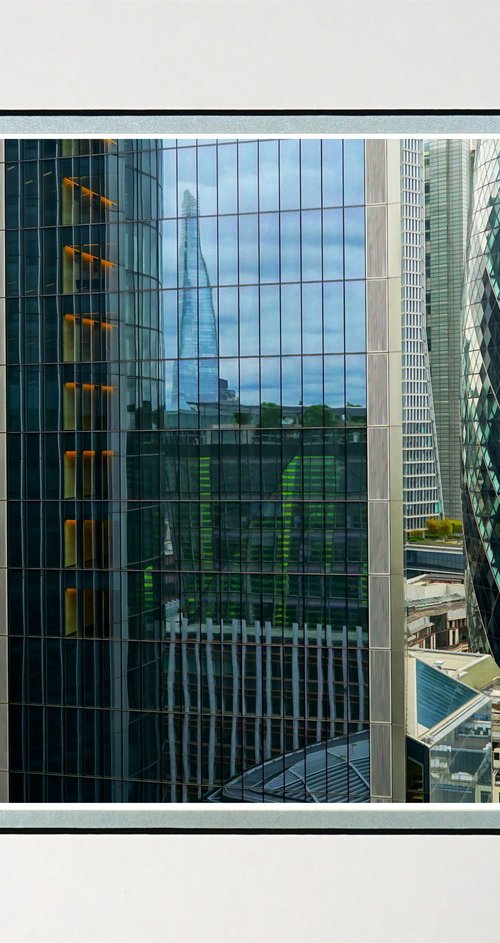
[
  {"x": 84, "y": 533},
  {"x": 447, "y": 196},
  {"x": 480, "y": 397},
  {"x": 421, "y": 475},
  {"x": 204, "y": 490}
]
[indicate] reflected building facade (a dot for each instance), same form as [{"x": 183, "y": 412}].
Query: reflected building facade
[
  {"x": 273, "y": 500},
  {"x": 480, "y": 399},
  {"x": 213, "y": 602},
  {"x": 84, "y": 401}
]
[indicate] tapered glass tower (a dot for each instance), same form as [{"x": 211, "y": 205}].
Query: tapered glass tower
[
  {"x": 447, "y": 186},
  {"x": 423, "y": 497}
]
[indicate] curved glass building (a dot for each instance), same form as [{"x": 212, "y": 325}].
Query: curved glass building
[
  {"x": 205, "y": 486},
  {"x": 480, "y": 402}
]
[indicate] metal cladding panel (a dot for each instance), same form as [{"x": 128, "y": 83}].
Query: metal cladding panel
[
  {"x": 397, "y": 685},
  {"x": 380, "y": 611},
  {"x": 376, "y": 241},
  {"x": 377, "y": 389},
  {"x": 380, "y": 686},
  {"x": 378, "y": 463},
  {"x": 3, "y": 527},
  {"x": 4, "y": 694},
  {"x": 377, "y": 335},
  {"x": 398, "y": 734},
  {"x": 381, "y": 760},
  {"x": 4, "y": 730},
  {"x": 378, "y": 536},
  {"x": 376, "y": 170},
  {"x": 3, "y": 600}
]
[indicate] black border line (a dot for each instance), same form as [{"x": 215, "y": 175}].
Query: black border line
[
  {"x": 259, "y": 112},
  {"x": 194, "y": 830}
]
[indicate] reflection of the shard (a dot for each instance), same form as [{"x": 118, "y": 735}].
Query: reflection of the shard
[
  {"x": 265, "y": 634},
  {"x": 197, "y": 329}
]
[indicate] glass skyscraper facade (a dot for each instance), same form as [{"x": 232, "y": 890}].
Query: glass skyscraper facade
[
  {"x": 85, "y": 399},
  {"x": 480, "y": 410},
  {"x": 421, "y": 475},
  {"x": 447, "y": 196},
  {"x": 204, "y": 487}
]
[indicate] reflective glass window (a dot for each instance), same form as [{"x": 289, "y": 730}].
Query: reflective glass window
[
  {"x": 291, "y": 319},
  {"x": 270, "y": 393},
  {"x": 227, "y": 178},
  {"x": 333, "y": 244},
  {"x": 169, "y": 303},
  {"x": 311, "y": 245},
  {"x": 270, "y": 319},
  {"x": 291, "y": 387},
  {"x": 355, "y": 315},
  {"x": 356, "y": 379},
  {"x": 269, "y": 247},
  {"x": 290, "y": 247},
  {"x": 248, "y": 249},
  {"x": 333, "y": 316},
  {"x": 207, "y": 254},
  {"x": 312, "y": 318},
  {"x": 248, "y": 177},
  {"x": 169, "y": 256},
  {"x": 207, "y": 180},
  {"x": 171, "y": 384},
  {"x": 310, "y": 173},
  {"x": 186, "y": 170},
  {"x": 188, "y": 322},
  {"x": 228, "y": 250},
  {"x": 268, "y": 175},
  {"x": 332, "y": 172},
  {"x": 228, "y": 322},
  {"x": 354, "y": 242},
  {"x": 249, "y": 321},
  {"x": 312, "y": 378},
  {"x": 169, "y": 182},
  {"x": 289, "y": 175},
  {"x": 230, "y": 385},
  {"x": 250, "y": 381},
  {"x": 354, "y": 172},
  {"x": 334, "y": 385}
]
